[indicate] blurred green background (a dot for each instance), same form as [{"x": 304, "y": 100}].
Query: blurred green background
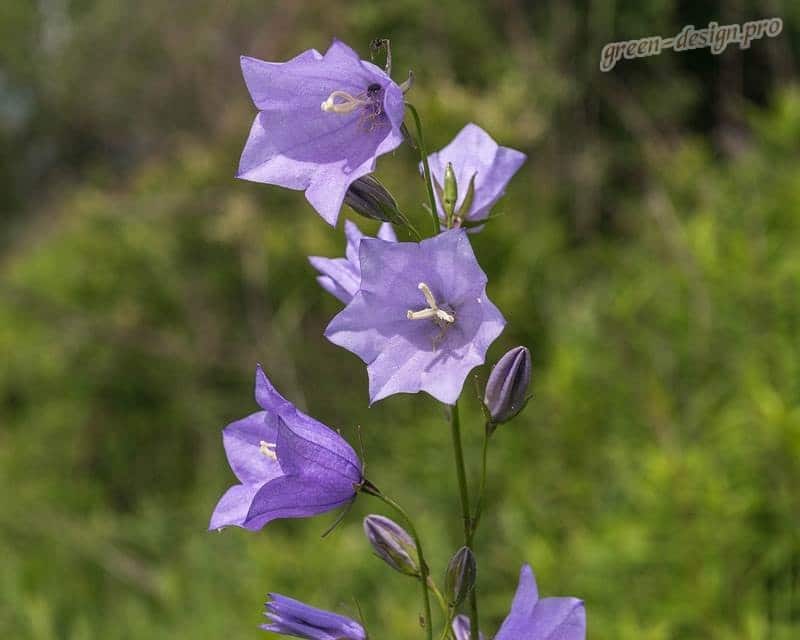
[{"x": 648, "y": 254}]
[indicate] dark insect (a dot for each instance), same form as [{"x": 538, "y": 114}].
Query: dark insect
[{"x": 371, "y": 116}]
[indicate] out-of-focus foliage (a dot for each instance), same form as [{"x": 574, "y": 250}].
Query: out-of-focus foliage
[{"x": 648, "y": 254}]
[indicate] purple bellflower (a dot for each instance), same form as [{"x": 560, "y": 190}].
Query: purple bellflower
[
  {"x": 322, "y": 123},
  {"x": 421, "y": 320},
  {"x": 532, "y": 618},
  {"x": 461, "y": 628},
  {"x": 291, "y": 617},
  {"x": 475, "y": 156},
  {"x": 341, "y": 277},
  {"x": 288, "y": 465}
]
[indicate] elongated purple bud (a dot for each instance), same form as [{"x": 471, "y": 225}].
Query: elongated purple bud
[
  {"x": 460, "y": 577},
  {"x": 507, "y": 388},
  {"x": 392, "y": 544},
  {"x": 371, "y": 199}
]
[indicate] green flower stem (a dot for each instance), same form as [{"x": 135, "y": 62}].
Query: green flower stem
[
  {"x": 476, "y": 518},
  {"x": 469, "y": 530},
  {"x": 372, "y": 490},
  {"x": 405, "y": 222},
  {"x": 423, "y": 155},
  {"x": 439, "y": 597}
]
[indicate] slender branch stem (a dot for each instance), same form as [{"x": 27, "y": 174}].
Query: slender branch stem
[
  {"x": 423, "y": 566},
  {"x": 455, "y": 426},
  {"x": 439, "y": 597},
  {"x": 423, "y": 155},
  {"x": 407, "y": 223},
  {"x": 476, "y": 518}
]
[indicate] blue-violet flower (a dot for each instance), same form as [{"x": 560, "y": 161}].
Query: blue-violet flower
[
  {"x": 474, "y": 155},
  {"x": 322, "y": 123},
  {"x": 291, "y": 617},
  {"x": 420, "y": 320},
  {"x": 532, "y": 618},
  {"x": 288, "y": 465}
]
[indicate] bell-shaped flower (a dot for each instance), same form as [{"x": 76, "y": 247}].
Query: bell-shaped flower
[
  {"x": 288, "y": 465},
  {"x": 291, "y": 617},
  {"x": 341, "y": 277},
  {"x": 323, "y": 120},
  {"x": 420, "y": 320},
  {"x": 481, "y": 168},
  {"x": 534, "y": 618}
]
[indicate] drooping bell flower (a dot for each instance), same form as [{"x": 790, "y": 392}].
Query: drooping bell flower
[
  {"x": 481, "y": 169},
  {"x": 288, "y": 465},
  {"x": 532, "y": 618},
  {"x": 322, "y": 123},
  {"x": 421, "y": 320},
  {"x": 341, "y": 277},
  {"x": 291, "y": 617}
]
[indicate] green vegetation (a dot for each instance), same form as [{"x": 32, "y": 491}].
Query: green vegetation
[{"x": 648, "y": 254}]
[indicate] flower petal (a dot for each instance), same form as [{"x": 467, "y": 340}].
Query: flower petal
[
  {"x": 341, "y": 277},
  {"x": 233, "y": 506},
  {"x": 473, "y": 152},
  {"x": 311, "y": 449},
  {"x": 293, "y": 497},
  {"x": 292, "y": 617},
  {"x": 300, "y": 425},
  {"x": 242, "y": 441}
]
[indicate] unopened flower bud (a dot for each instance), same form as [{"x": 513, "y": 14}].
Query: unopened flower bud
[
  {"x": 368, "y": 197},
  {"x": 392, "y": 544},
  {"x": 450, "y": 195},
  {"x": 460, "y": 577},
  {"x": 507, "y": 387}
]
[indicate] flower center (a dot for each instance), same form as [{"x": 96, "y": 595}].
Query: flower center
[
  {"x": 268, "y": 449},
  {"x": 343, "y": 102},
  {"x": 368, "y": 102},
  {"x": 433, "y": 311}
]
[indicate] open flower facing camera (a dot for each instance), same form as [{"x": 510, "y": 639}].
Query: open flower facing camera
[
  {"x": 420, "y": 320},
  {"x": 416, "y": 313},
  {"x": 480, "y": 170}
]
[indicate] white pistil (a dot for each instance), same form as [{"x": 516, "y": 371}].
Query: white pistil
[
  {"x": 433, "y": 312},
  {"x": 268, "y": 449},
  {"x": 347, "y": 103}
]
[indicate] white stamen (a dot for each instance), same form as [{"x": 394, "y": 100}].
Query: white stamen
[
  {"x": 268, "y": 449},
  {"x": 347, "y": 104},
  {"x": 426, "y": 291},
  {"x": 433, "y": 312}
]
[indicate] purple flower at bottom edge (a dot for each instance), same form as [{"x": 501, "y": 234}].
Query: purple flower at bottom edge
[
  {"x": 322, "y": 123},
  {"x": 341, "y": 277},
  {"x": 532, "y": 618},
  {"x": 289, "y": 465},
  {"x": 461, "y": 628},
  {"x": 473, "y": 153},
  {"x": 291, "y": 617},
  {"x": 421, "y": 320}
]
